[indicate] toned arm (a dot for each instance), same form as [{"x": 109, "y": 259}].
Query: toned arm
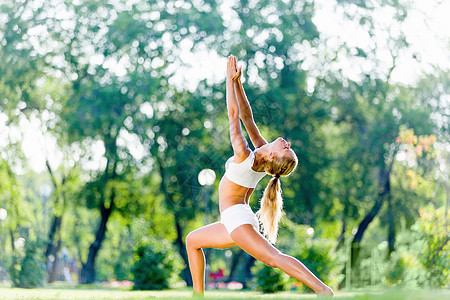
[
  {"x": 246, "y": 114},
  {"x": 238, "y": 142}
]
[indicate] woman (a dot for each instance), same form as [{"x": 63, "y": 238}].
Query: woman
[{"x": 239, "y": 226}]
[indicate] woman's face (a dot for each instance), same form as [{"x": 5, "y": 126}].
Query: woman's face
[{"x": 281, "y": 147}]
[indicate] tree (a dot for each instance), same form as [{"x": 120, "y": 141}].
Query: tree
[
  {"x": 111, "y": 105},
  {"x": 12, "y": 194},
  {"x": 21, "y": 65},
  {"x": 374, "y": 107}
]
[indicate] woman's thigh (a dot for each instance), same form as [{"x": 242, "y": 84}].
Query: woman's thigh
[
  {"x": 254, "y": 243},
  {"x": 210, "y": 236}
]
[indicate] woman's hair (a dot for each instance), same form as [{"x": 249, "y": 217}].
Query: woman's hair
[{"x": 271, "y": 209}]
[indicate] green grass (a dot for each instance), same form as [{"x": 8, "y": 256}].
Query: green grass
[{"x": 111, "y": 293}]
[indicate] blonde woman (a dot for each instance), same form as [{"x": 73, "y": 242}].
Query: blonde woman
[{"x": 239, "y": 226}]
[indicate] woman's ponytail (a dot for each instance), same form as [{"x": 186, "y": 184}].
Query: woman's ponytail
[{"x": 271, "y": 209}]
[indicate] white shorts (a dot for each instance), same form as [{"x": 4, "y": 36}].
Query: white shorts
[{"x": 237, "y": 215}]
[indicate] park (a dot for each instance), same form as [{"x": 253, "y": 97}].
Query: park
[{"x": 118, "y": 122}]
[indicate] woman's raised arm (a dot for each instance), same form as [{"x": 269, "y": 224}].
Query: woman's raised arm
[
  {"x": 246, "y": 113},
  {"x": 238, "y": 142}
]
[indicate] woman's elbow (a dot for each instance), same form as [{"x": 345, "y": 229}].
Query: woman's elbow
[{"x": 233, "y": 114}]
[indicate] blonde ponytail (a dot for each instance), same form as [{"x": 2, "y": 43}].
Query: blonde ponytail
[{"x": 271, "y": 209}]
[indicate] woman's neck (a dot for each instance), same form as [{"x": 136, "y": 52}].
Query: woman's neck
[{"x": 260, "y": 162}]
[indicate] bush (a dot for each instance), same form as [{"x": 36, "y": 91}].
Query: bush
[
  {"x": 157, "y": 265},
  {"x": 317, "y": 254},
  {"x": 28, "y": 271},
  {"x": 319, "y": 258},
  {"x": 404, "y": 269},
  {"x": 421, "y": 258},
  {"x": 434, "y": 238},
  {"x": 268, "y": 279}
]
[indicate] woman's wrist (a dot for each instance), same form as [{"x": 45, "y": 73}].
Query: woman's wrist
[{"x": 237, "y": 76}]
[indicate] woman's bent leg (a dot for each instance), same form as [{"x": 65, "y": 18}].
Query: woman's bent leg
[
  {"x": 252, "y": 242},
  {"x": 210, "y": 236}
]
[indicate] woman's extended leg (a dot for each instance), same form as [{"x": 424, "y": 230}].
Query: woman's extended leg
[
  {"x": 252, "y": 242},
  {"x": 210, "y": 236}
]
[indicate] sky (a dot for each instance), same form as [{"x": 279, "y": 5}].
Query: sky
[{"x": 427, "y": 29}]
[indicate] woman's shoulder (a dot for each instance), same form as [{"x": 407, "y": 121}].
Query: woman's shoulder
[{"x": 246, "y": 154}]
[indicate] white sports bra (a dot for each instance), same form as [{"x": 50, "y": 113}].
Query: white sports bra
[{"x": 242, "y": 173}]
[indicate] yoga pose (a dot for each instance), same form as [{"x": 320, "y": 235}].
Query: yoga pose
[{"x": 239, "y": 226}]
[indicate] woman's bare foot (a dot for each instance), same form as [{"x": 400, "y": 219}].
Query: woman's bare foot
[
  {"x": 197, "y": 295},
  {"x": 326, "y": 292}
]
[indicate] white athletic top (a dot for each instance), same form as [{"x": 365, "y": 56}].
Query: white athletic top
[{"x": 242, "y": 173}]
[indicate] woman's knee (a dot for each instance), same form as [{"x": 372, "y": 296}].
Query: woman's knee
[
  {"x": 272, "y": 259},
  {"x": 191, "y": 241}
]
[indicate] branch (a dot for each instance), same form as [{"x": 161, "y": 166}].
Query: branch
[
  {"x": 439, "y": 251},
  {"x": 52, "y": 176}
]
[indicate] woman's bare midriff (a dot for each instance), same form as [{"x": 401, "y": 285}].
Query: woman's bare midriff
[{"x": 231, "y": 194}]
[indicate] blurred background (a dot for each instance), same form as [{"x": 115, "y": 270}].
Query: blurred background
[{"x": 114, "y": 135}]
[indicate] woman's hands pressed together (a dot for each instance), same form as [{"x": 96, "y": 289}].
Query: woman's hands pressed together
[
  {"x": 232, "y": 72},
  {"x": 237, "y": 77}
]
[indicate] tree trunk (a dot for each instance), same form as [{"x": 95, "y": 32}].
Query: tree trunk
[
  {"x": 385, "y": 188},
  {"x": 391, "y": 226},
  {"x": 54, "y": 231},
  {"x": 240, "y": 269},
  {"x": 362, "y": 228},
  {"x": 53, "y": 271},
  {"x": 11, "y": 234},
  {"x": 342, "y": 240},
  {"x": 341, "y": 243},
  {"x": 88, "y": 271},
  {"x": 182, "y": 249},
  {"x": 52, "y": 248},
  {"x": 179, "y": 240},
  {"x": 54, "y": 236},
  {"x": 234, "y": 265},
  {"x": 249, "y": 262}
]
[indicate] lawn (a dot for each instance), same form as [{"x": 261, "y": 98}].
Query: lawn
[{"x": 110, "y": 293}]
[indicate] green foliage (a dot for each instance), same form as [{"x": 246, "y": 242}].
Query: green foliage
[
  {"x": 373, "y": 263},
  {"x": 117, "y": 256},
  {"x": 320, "y": 259},
  {"x": 420, "y": 259},
  {"x": 28, "y": 271},
  {"x": 268, "y": 279},
  {"x": 405, "y": 269},
  {"x": 316, "y": 253},
  {"x": 19, "y": 65},
  {"x": 10, "y": 195},
  {"x": 156, "y": 136},
  {"x": 433, "y": 235},
  {"x": 157, "y": 265}
]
